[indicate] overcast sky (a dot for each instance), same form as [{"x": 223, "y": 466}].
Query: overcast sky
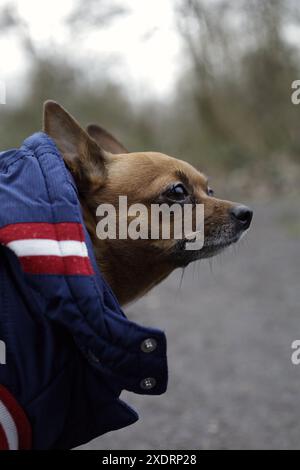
[{"x": 144, "y": 43}]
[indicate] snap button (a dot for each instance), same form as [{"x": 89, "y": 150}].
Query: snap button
[
  {"x": 149, "y": 345},
  {"x": 148, "y": 383}
]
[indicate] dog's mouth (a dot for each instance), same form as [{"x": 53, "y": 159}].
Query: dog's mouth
[
  {"x": 215, "y": 246},
  {"x": 212, "y": 246},
  {"x": 216, "y": 237}
]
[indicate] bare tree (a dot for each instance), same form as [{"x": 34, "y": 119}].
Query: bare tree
[
  {"x": 243, "y": 66},
  {"x": 94, "y": 13}
]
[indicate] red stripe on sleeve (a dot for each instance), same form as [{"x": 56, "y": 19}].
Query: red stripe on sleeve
[
  {"x": 3, "y": 439},
  {"x": 64, "y": 265},
  {"x": 24, "y": 231}
]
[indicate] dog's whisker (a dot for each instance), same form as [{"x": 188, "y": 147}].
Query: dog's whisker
[
  {"x": 181, "y": 278},
  {"x": 194, "y": 268}
]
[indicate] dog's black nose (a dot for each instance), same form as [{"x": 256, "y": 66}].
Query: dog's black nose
[{"x": 242, "y": 215}]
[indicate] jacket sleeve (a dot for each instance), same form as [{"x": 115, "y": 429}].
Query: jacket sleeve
[{"x": 15, "y": 429}]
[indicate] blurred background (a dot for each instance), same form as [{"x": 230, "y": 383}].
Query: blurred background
[{"x": 209, "y": 82}]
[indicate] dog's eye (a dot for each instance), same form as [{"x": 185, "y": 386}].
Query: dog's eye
[
  {"x": 177, "y": 192},
  {"x": 210, "y": 192}
]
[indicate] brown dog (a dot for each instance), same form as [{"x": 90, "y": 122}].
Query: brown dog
[{"x": 104, "y": 170}]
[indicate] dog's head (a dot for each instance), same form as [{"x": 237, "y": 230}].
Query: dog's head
[{"x": 104, "y": 170}]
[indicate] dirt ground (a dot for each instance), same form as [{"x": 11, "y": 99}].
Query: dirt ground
[{"x": 230, "y": 327}]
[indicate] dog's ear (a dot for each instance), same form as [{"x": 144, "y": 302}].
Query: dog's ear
[
  {"x": 82, "y": 155},
  {"x": 107, "y": 141}
]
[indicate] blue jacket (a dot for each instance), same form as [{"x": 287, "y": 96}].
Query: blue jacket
[{"x": 70, "y": 350}]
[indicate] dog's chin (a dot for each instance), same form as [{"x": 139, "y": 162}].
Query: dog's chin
[{"x": 212, "y": 247}]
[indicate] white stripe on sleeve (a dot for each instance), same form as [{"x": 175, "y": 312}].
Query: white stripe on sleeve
[
  {"x": 9, "y": 427},
  {"x": 41, "y": 247}
]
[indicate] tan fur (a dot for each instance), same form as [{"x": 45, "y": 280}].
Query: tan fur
[{"x": 102, "y": 173}]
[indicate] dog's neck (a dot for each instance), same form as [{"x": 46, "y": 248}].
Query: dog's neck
[{"x": 129, "y": 277}]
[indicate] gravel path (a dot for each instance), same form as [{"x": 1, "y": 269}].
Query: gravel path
[{"x": 230, "y": 327}]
